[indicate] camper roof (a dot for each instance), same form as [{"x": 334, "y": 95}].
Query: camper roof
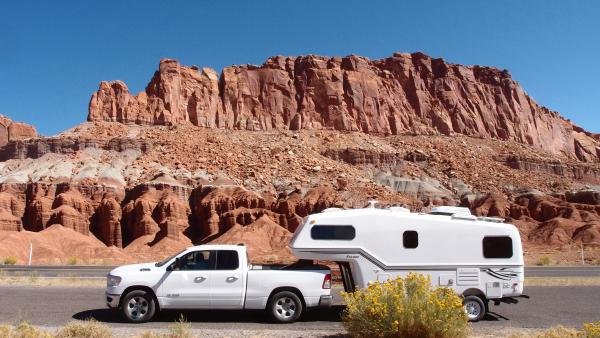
[{"x": 449, "y": 211}]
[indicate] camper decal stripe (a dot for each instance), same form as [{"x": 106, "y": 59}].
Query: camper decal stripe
[
  {"x": 501, "y": 274},
  {"x": 384, "y": 267}
]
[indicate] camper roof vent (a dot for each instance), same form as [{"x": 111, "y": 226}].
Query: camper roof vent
[
  {"x": 491, "y": 219},
  {"x": 466, "y": 217},
  {"x": 331, "y": 209},
  {"x": 399, "y": 209},
  {"x": 449, "y": 211}
]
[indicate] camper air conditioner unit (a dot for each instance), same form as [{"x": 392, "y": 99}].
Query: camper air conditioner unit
[
  {"x": 491, "y": 219},
  {"x": 466, "y": 217},
  {"x": 449, "y": 211}
]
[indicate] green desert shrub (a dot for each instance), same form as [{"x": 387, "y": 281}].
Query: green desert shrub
[{"x": 405, "y": 307}]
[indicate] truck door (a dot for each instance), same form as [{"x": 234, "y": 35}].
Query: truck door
[
  {"x": 227, "y": 283},
  {"x": 187, "y": 285}
]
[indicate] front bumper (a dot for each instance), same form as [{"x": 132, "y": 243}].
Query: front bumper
[
  {"x": 112, "y": 301},
  {"x": 326, "y": 301}
]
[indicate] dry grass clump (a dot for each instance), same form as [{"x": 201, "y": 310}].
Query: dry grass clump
[
  {"x": 589, "y": 330},
  {"x": 149, "y": 334},
  {"x": 561, "y": 281},
  {"x": 592, "y": 330},
  {"x": 72, "y": 261},
  {"x": 179, "y": 329},
  {"x": 23, "y": 330},
  {"x": 86, "y": 329},
  {"x": 5, "y": 330},
  {"x": 36, "y": 280},
  {"x": 407, "y": 307},
  {"x": 544, "y": 260},
  {"x": 553, "y": 332},
  {"x": 9, "y": 260}
]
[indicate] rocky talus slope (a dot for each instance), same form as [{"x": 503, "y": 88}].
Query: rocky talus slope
[{"x": 244, "y": 156}]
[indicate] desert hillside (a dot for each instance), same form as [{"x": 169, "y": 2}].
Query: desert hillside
[{"x": 243, "y": 156}]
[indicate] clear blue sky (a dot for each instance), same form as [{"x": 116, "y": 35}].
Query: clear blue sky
[{"x": 54, "y": 54}]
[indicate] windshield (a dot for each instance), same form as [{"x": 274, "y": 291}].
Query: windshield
[{"x": 166, "y": 260}]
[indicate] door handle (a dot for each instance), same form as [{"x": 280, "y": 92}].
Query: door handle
[
  {"x": 199, "y": 279},
  {"x": 232, "y": 278}
]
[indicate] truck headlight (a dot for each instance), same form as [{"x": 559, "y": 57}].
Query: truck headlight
[{"x": 112, "y": 280}]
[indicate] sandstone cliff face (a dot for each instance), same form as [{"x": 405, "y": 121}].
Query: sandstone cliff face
[
  {"x": 174, "y": 95},
  {"x": 405, "y": 93},
  {"x": 13, "y": 131}
]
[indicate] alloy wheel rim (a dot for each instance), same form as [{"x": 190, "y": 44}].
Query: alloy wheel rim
[
  {"x": 137, "y": 307},
  {"x": 285, "y": 307},
  {"x": 473, "y": 309}
]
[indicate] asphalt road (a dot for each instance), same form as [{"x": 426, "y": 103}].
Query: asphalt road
[
  {"x": 563, "y": 271},
  {"x": 101, "y": 271},
  {"x": 55, "y": 306}
]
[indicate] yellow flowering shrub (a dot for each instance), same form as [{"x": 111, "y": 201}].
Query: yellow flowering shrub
[
  {"x": 592, "y": 330},
  {"x": 405, "y": 307}
]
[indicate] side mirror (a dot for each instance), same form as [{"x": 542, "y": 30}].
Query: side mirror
[{"x": 175, "y": 265}]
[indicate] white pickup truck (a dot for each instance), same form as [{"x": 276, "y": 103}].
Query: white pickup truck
[{"x": 217, "y": 277}]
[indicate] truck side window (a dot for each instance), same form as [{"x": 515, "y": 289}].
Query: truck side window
[
  {"x": 227, "y": 260},
  {"x": 410, "y": 239},
  {"x": 198, "y": 260},
  {"x": 497, "y": 247},
  {"x": 333, "y": 232}
]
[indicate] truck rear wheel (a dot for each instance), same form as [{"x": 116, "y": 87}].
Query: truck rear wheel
[
  {"x": 138, "y": 306},
  {"x": 475, "y": 308},
  {"x": 285, "y": 307}
]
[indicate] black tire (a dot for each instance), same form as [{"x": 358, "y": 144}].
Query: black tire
[
  {"x": 138, "y": 306},
  {"x": 475, "y": 308},
  {"x": 284, "y": 307}
]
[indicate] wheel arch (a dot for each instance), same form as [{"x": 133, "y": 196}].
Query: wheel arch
[
  {"x": 142, "y": 288},
  {"x": 474, "y": 292},
  {"x": 292, "y": 289}
]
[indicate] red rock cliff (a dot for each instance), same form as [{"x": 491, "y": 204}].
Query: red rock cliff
[
  {"x": 12, "y": 131},
  {"x": 411, "y": 93}
]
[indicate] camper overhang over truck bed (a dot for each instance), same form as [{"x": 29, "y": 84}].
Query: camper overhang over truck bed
[{"x": 479, "y": 257}]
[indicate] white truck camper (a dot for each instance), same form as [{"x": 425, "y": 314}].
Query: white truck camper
[{"x": 481, "y": 258}]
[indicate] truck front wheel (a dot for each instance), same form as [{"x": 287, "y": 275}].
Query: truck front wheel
[
  {"x": 138, "y": 306},
  {"x": 284, "y": 307}
]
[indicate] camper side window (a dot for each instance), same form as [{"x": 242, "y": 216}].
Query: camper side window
[
  {"x": 335, "y": 232},
  {"x": 497, "y": 247},
  {"x": 410, "y": 239}
]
